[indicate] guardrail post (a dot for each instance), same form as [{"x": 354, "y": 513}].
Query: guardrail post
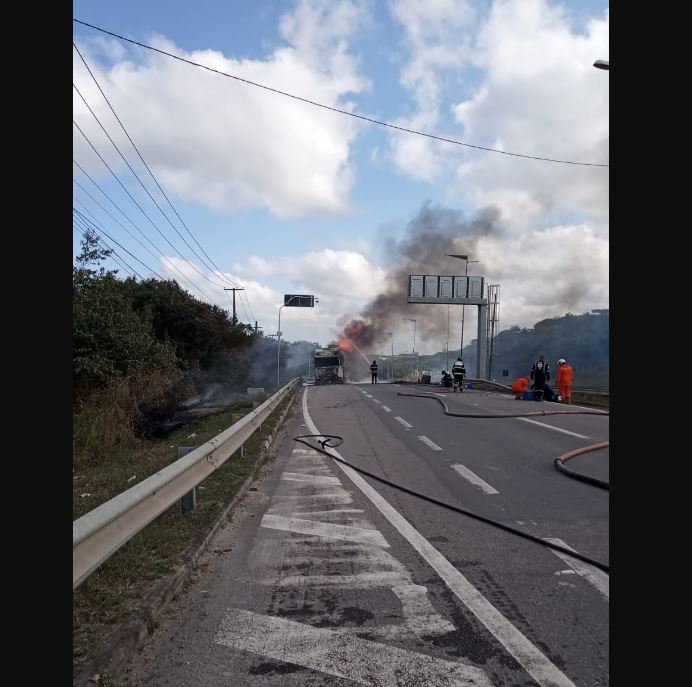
[{"x": 188, "y": 502}]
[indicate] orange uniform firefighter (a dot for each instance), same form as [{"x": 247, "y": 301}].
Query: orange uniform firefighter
[
  {"x": 520, "y": 386},
  {"x": 565, "y": 377}
]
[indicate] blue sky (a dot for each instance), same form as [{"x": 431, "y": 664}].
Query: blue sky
[{"x": 288, "y": 198}]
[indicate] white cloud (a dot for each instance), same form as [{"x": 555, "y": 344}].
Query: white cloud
[
  {"x": 434, "y": 38},
  {"x": 232, "y": 146},
  {"x": 538, "y": 95}
]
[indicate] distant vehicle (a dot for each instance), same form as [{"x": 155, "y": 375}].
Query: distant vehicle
[{"x": 329, "y": 366}]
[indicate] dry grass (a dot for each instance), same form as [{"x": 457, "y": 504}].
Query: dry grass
[{"x": 114, "y": 590}]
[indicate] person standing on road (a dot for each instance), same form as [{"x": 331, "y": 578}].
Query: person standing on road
[
  {"x": 565, "y": 377},
  {"x": 373, "y": 372},
  {"x": 540, "y": 374},
  {"x": 459, "y": 372}
]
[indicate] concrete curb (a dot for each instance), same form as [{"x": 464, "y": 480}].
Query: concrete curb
[{"x": 118, "y": 648}]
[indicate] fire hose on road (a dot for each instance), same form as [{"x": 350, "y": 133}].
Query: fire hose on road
[
  {"x": 560, "y": 460},
  {"x": 503, "y": 415},
  {"x": 323, "y": 442}
]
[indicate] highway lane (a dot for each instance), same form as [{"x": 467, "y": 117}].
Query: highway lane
[
  {"x": 318, "y": 583},
  {"x": 516, "y": 459}
]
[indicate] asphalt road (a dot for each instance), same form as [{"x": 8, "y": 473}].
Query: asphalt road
[{"x": 328, "y": 578}]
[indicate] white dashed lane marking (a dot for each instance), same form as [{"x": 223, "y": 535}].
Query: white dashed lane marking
[
  {"x": 474, "y": 479},
  {"x": 429, "y": 443}
]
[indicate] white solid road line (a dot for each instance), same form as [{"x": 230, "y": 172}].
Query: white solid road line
[
  {"x": 429, "y": 443},
  {"x": 359, "y": 660},
  {"x": 474, "y": 479},
  {"x": 403, "y": 422},
  {"x": 598, "y": 578},
  {"x": 536, "y": 664},
  {"x": 324, "y": 529},
  {"x": 387, "y": 409},
  {"x": 556, "y": 429}
]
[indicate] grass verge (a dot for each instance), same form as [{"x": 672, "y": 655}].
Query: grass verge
[{"x": 112, "y": 592}]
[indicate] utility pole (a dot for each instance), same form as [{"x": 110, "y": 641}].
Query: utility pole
[{"x": 234, "y": 289}]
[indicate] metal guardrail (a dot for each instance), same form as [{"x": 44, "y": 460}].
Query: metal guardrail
[
  {"x": 101, "y": 532},
  {"x": 583, "y": 390}
]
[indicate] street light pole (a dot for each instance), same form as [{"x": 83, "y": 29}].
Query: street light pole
[
  {"x": 448, "y": 333},
  {"x": 463, "y": 312},
  {"x": 278, "y": 338},
  {"x": 463, "y": 307},
  {"x": 278, "y": 346},
  {"x": 390, "y": 360},
  {"x": 410, "y": 319}
]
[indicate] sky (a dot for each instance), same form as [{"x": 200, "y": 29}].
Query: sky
[{"x": 280, "y": 197}]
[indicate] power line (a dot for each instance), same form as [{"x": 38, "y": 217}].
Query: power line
[
  {"x": 140, "y": 181},
  {"x": 247, "y": 300},
  {"x": 210, "y": 317},
  {"x": 219, "y": 270},
  {"x": 134, "y": 200},
  {"x": 147, "y": 166},
  {"x": 103, "y": 231},
  {"x": 336, "y": 109},
  {"x": 81, "y": 228},
  {"x": 156, "y": 257},
  {"x": 153, "y": 255},
  {"x": 95, "y": 221}
]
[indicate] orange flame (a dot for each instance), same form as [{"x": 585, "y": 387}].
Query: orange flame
[{"x": 345, "y": 346}]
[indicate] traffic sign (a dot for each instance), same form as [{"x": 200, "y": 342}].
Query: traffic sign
[{"x": 299, "y": 300}]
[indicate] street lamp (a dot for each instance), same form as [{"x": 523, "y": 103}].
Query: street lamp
[
  {"x": 279, "y": 333},
  {"x": 602, "y": 64},
  {"x": 410, "y": 319},
  {"x": 463, "y": 307}
]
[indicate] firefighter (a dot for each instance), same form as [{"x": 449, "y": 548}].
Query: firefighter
[
  {"x": 458, "y": 372},
  {"x": 565, "y": 377},
  {"x": 540, "y": 374},
  {"x": 373, "y": 372},
  {"x": 520, "y": 386}
]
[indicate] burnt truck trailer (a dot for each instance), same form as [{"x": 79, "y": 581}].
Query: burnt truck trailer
[{"x": 329, "y": 366}]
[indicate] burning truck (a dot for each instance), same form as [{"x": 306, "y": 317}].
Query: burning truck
[{"x": 329, "y": 366}]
